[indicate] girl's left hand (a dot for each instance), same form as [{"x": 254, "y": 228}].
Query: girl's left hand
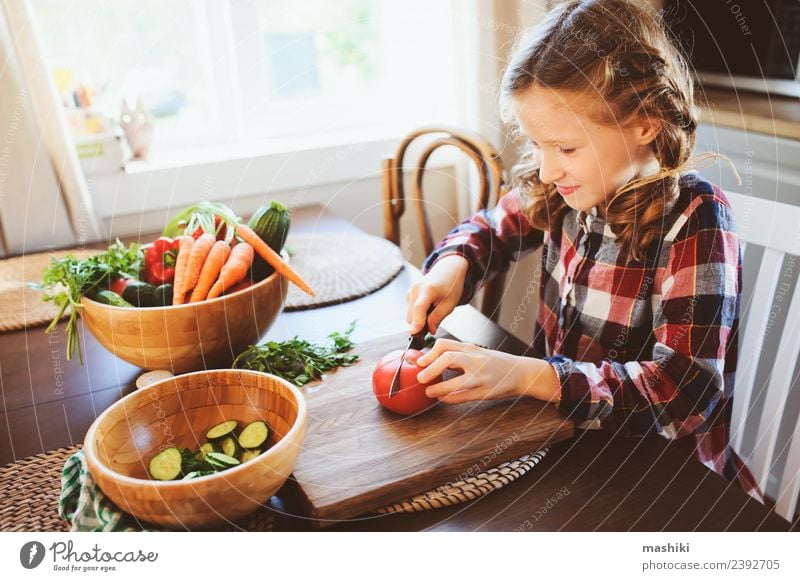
[{"x": 486, "y": 374}]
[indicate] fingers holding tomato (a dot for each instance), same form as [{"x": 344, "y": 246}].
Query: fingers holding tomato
[{"x": 410, "y": 398}]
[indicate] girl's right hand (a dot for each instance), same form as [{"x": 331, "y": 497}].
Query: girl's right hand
[{"x": 441, "y": 287}]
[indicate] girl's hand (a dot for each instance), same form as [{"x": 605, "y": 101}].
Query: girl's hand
[
  {"x": 486, "y": 374},
  {"x": 442, "y": 286}
]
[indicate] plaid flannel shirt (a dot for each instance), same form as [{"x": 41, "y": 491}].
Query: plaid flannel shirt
[{"x": 643, "y": 348}]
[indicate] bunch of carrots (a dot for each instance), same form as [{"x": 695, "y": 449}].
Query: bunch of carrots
[{"x": 206, "y": 267}]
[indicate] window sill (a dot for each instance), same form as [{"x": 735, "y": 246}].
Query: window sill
[
  {"x": 226, "y": 174},
  {"x": 288, "y": 169},
  {"x": 255, "y": 150}
]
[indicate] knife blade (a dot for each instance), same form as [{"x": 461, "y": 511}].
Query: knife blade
[{"x": 417, "y": 341}]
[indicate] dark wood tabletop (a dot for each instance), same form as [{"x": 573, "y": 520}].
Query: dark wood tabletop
[{"x": 594, "y": 481}]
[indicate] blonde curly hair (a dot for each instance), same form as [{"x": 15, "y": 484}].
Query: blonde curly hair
[{"x": 619, "y": 51}]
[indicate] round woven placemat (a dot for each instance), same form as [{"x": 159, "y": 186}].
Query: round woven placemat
[
  {"x": 29, "y": 492},
  {"x": 340, "y": 267},
  {"x": 21, "y": 306},
  {"x": 469, "y": 488},
  {"x": 30, "y": 489}
]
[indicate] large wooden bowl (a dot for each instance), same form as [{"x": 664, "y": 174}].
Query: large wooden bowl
[
  {"x": 177, "y": 412},
  {"x": 190, "y": 337}
]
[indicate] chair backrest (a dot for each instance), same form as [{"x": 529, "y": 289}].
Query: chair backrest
[
  {"x": 775, "y": 227},
  {"x": 492, "y": 186}
]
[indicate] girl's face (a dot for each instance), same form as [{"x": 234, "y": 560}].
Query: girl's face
[{"x": 587, "y": 161}]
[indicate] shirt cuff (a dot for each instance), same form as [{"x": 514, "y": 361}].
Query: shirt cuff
[{"x": 566, "y": 405}]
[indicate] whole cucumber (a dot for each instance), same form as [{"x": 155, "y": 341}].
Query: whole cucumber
[
  {"x": 140, "y": 294},
  {"x": 163, "y": 295},
  {"x": 108, "y": 297}
]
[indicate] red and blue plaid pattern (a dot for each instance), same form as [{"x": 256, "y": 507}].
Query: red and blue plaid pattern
[{"x": 641, "y": 347}]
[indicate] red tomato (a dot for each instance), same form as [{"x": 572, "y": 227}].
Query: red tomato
[
  {"x": 410, "y": 398},
  {"x": 118, "y": 285}
]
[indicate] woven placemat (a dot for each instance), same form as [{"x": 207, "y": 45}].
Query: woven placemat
[
  {"x": 30, "y": 491},
  {"x": 340, "y": 267},
  {"x": 468, "y": 488},
  {"x": 21, "y": 306}
]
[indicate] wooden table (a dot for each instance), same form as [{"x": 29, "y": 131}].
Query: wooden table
[{"x": 593, "y": 482}]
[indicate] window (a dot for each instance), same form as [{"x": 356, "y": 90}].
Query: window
[{"x": 223, "y": 73}]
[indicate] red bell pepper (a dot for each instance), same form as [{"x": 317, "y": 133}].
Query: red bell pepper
[{"x": 159, "y": 261}]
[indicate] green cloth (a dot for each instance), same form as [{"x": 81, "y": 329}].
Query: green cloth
[
  {"x": 84, "y": 505},
  {"x": 86, "y": 508}
]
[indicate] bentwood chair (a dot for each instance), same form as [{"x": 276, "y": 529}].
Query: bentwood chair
[
  {"x": 492, "y": 185},
  {"x": 762, "y": 420}
]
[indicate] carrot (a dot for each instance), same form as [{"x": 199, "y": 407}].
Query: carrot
[
  {"x": 241, "y": 285},
  {"x": 184, "y": 250},
  {"x": 235, "y": 269},
  {"x": 202, "y": 247},
  {"x": 211, "y": 269},
  {"x": 273, "y": 258}
]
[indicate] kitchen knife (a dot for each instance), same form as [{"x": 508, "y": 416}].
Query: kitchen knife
[{"x": 416, "y": 341}]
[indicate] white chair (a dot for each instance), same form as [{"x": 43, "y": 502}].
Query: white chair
[{"x": 775, "y": 227}]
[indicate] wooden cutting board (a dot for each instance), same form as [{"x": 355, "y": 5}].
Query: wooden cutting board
[{"x": 358, "y": 456}]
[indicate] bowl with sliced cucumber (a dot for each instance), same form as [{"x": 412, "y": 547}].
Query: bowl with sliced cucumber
[{"x": 199, "y": 449}]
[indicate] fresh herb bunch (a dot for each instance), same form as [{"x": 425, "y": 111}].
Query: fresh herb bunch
[
  {"x": 297, "y": 360},
  {"x": 66, "y": 280}
]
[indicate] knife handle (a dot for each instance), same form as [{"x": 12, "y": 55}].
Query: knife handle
[{"x": 418, "y": 338}]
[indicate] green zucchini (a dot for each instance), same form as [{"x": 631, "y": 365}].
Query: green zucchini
[
  {"x": 247, "y": 455},
  {"x": 223, "y": 450},
  {"x": 222, "y": 430},
  {"x": 205, "y": 449},
  {"x": 198, "y": 474},
  {"x": 108, "y": 297},
  {"x": 254, "y": 435},
  {"x": 221, "y": 461},
  {"x": 140, "y": 294},
  {"x": 271, "y": 222},
  {"x": 228, "y": 446},
  {"x": 166, "y": 465},
  {"x": 163, "y": 295}
]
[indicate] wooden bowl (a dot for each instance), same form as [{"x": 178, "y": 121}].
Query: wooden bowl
[
  {"x": 190, "y": 337},
  {"x": 177, "y": 412}
]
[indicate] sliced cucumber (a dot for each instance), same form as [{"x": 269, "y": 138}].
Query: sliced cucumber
[
  {"x": 205, "y": 449},
  {"x": 198, "y": 474},
  {"x": 254, "y": 435},
  {"x": 223, "y": 450},
  {"x": 247, "y": 455},
  {"x": 219, "y": 460},
  {"x": 166, "y": 465},
  {"x": 228, "y": 446},
  {"x": 222, "y": 430}
]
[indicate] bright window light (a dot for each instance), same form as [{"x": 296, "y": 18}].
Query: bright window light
[{"x": 222, "y": 73}]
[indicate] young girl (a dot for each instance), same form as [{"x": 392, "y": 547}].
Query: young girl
[{"x": 641, "y": 268}]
